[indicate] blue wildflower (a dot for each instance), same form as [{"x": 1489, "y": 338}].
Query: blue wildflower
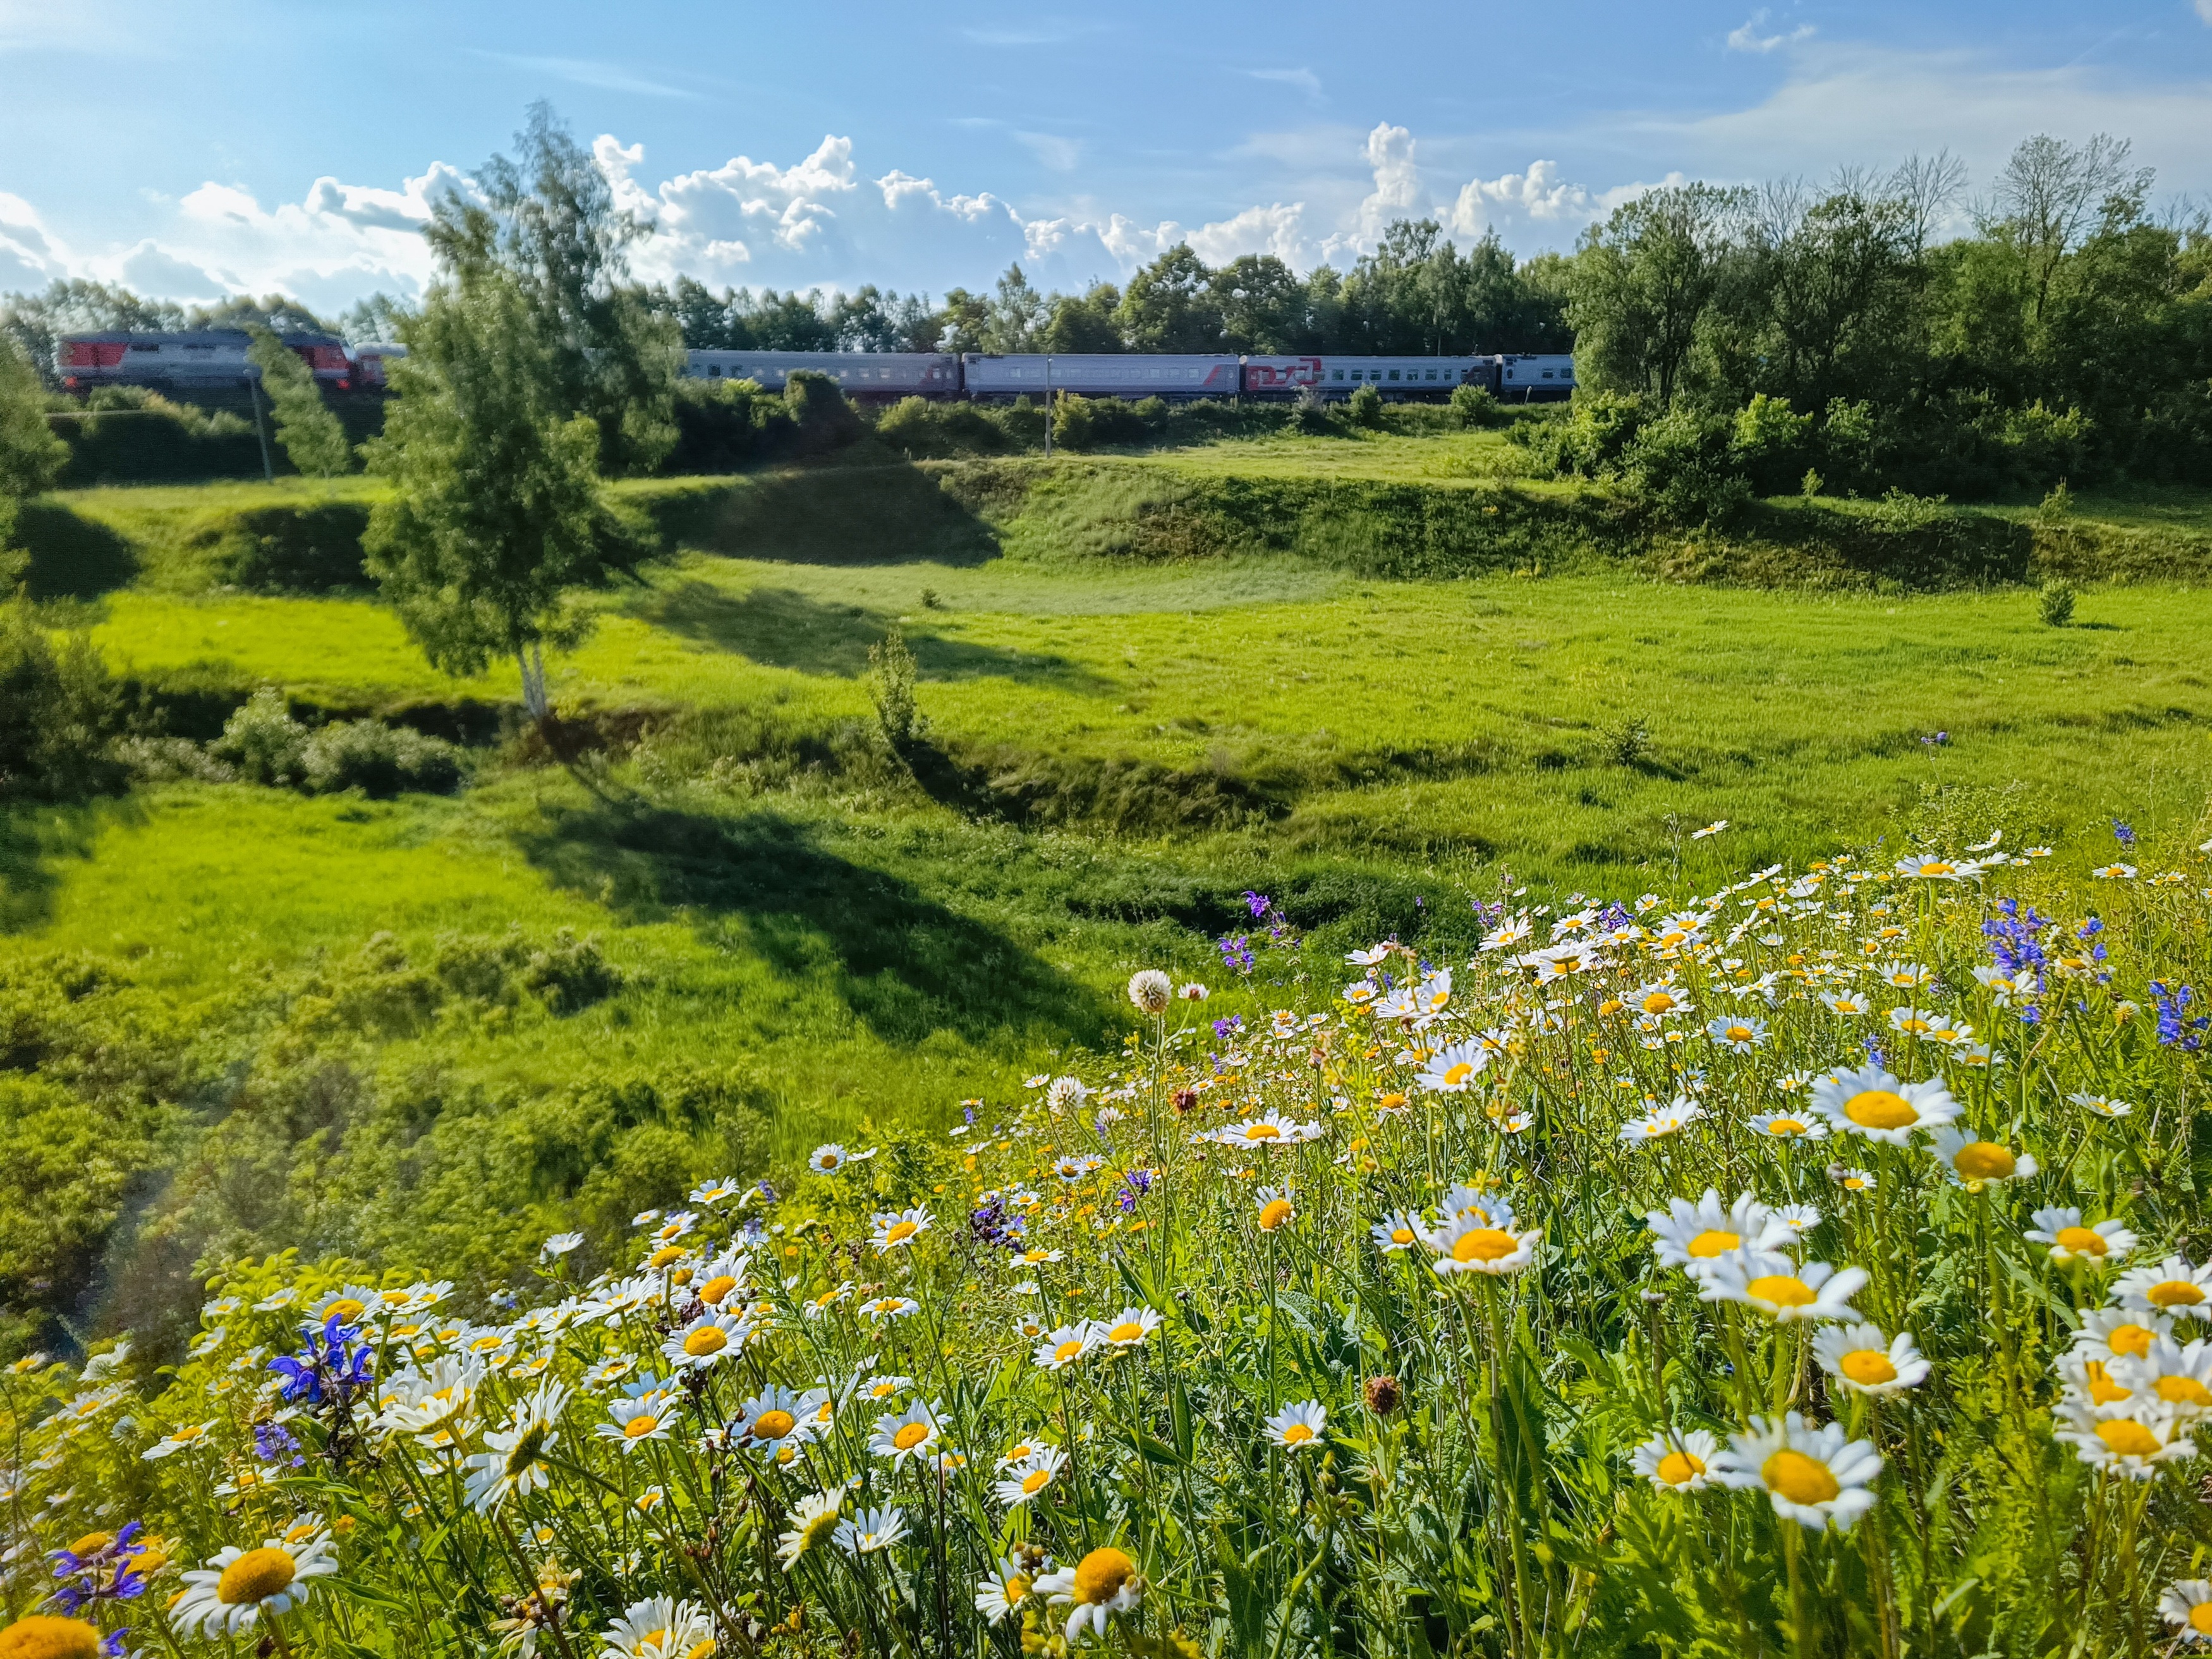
[
  {"x": 100, "y": 1573},
  {"x": 332, "y": 1368},
  {"x": 2123, "y": 833}
]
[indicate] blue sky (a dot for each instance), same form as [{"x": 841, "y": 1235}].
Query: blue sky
[{"x": 195, "y": 148}]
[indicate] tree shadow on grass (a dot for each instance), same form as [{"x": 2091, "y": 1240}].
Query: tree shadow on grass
[
  {"x": 905, "y": 964},
  {"x": 72, "y": 558},
  {"x": 35, "y": 840},
  {"x": 783, "y": 627}
]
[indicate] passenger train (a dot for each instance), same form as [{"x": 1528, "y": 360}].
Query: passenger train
[{"x": 207, "y": 358}]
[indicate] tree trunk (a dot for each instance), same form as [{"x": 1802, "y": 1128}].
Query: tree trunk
[{"x": 532, "y": 662}]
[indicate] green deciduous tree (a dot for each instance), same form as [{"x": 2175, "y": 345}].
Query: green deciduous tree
[
  {"x": 496, "y": 509},
  {"x": 1644, "y": 282},
  {"x": 311, "y": 437},
  {"x": 548, "y": 218},
  {"x": 31, "y": 457}
]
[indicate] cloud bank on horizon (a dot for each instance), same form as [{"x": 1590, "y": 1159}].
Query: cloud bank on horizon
[{"x": 846, "y": 214}]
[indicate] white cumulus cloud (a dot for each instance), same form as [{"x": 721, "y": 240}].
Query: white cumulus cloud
[{"x": 1746, "y": 37}]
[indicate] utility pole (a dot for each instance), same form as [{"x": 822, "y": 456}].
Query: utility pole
[
  {"x": 260, "y": 428},
  {"x": 1048, "y": 408}
]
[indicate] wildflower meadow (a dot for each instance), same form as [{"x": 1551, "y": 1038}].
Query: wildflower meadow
[{"x": 1813, "y": 1267}]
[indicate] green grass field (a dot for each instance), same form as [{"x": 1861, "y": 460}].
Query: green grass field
[{"x": 1117, "y": 747}]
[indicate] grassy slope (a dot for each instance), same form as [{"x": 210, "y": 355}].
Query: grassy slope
[{"x": 834, "y": 934}]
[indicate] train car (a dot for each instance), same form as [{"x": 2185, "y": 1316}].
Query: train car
[
  {"x": 862, "y": 374},
  {"x": 369, "y": 359},
  {"x": 1533, "y": 377},
  {"x": 1398, "y": 379},
  {"x": 203, "y": 357},
  {"x": 1099, "y": 374}
]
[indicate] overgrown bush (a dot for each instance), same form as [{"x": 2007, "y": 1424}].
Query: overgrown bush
[
  {"x": 891, "y": 676},
  {"x": 379, "y": 760},
  {"x": 264, "y": 744},
  {"x": 59, "y": 714},
  {"x": 821, "y": 419},
  {"x": 1474, "y": 406},
  {"x": 1771, "y": 443},
  {"x": 1364, "y": 409},
  {"x": 1683, "y": 466},
  {"x": 1081, "y": 423},
  {"x": 2055, "y": 603}
]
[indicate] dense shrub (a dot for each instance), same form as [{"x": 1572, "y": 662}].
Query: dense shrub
[
  {"x": 821, "y": 419},
  {"x": 59, "y": 712},
  {"x": 1096, "y": 422},
  {"x": 1683, "y": 466},
  {"x": 1474, "y": 406},
  {"x": 1364, "y": 409},
  {"x": 263, "y": 744},
  {"x": 379, "y": 760}
]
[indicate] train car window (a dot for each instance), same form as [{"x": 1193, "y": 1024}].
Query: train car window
[
  {"x": 1394, "y": 374},
  {"x": 1547, "y": 374}
]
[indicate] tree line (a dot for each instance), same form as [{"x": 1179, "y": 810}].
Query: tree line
[
  {"x": 2068, "y": 335},
  {"x": 1418, "y": 294}
]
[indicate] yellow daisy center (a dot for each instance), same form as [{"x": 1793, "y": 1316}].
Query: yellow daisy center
[
  {"x": 1401, "y": 1235},
  {"x": 1800, "y": 1479},
  {"x": 1483, "y": 1244},
  {"x": 1679, "y": 1468},
  {"x": 256, "y": 1576},
  {"x": 1983, "y": 1160},
  {"x": 43, "y": 1636},
  {"x": 716, "y": 1288},
  {"x": 641, "y": 1426},
  {"x": 1035, "y": 1481},
  {"x": 1781, "y": 1289},
  {"x": 1296, "y": 1434},
  {"x": 1658, "y": 1002},
  {"x": 774, "y": 1424},
  {"x": 2102, "y": 1389},
  {"x": 1258, "y": 1132},
  {"x": 910, "y": 1435},
  {"x": 899, "y": 1232},
  {"x": 707, "y": 1339},
  {"x": 2176, "y": 1293},
  {"x": 1867, "y": 1367},
  {"x": 1101, "y": 1574},
  {"x": 1067, "y": 1351},
  {"x": 664, "y": 1255},
  {"x": 92, "y": 1543},
  {"x": 1714, "y": 1241},
  {"x": 2127, "y": 1439},
  {"x": 1278, "y": 1210},
  {"x": 2200, "y": 1618},
  {"x": 1881, "y": 1108},
  {"x": 1128, "y": 1330},
  {"x": 1738, "y": 1033},
  {"x": 2184, "y": 1391},
  {"x": 2134, "y": 1340},
  {"x": 1786, "y": 1125},
  {"x": 1016, "y": 1589},
  {"x": 347, "y": 1308}
]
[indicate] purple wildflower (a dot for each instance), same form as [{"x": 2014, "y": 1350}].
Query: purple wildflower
[{"x": 332, "y": 1369}]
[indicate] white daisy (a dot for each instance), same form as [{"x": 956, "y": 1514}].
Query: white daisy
[
  {"x": 1678, "y": 1462},
  {"x": 1864, "y": 1361},
  {"x": 1871, "y": 1101},
  {"x": 1818, "y": 1477},
  {"x": 2069, "y": 1240}
]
